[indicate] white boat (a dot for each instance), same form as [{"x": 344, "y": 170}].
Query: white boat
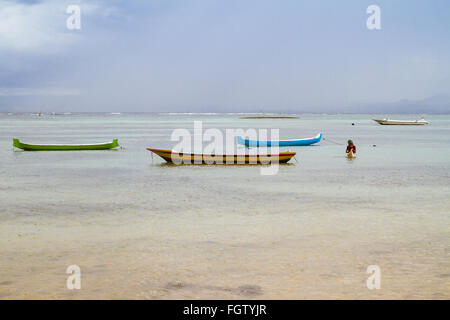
[{"x": 420, "y": 122}]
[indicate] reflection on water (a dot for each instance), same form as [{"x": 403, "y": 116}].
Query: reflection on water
[{"x": 147, "y": 230}]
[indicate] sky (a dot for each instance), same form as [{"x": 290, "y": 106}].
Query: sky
[{"x": 224, "y": 56}]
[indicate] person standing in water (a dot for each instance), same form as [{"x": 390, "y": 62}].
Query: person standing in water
[{"x": 350, "y": 147}]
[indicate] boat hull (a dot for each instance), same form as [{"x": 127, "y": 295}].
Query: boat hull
[
  {"x": 192, "y": 158},
  {"x": 280, "y": 143},
  {"x": 401, "y": 122},
  {"x": 55, "y": 147}
]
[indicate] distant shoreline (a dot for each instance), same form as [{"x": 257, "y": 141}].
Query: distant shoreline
[{"x": 246, "y": 115}]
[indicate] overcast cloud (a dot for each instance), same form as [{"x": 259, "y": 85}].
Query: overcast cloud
[{"x": 223, "y": 56}]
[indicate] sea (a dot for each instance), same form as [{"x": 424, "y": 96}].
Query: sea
[{"x": 323, "y": 227}]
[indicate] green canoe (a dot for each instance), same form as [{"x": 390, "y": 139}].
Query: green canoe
[{"x": 59, "y": 147}]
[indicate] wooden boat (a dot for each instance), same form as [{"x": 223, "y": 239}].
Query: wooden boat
[
  {"x": 65, "y": 147},
  {"x": 420, "y": 122},
  {"x": 198, "y": 158},
  {"x": 281, "y": 143}
]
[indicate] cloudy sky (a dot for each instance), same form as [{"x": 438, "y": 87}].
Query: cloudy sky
[{"x": 222, "y": 55}]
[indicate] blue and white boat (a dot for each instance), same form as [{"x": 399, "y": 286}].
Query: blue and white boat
[{"x": 281, "y": 143}]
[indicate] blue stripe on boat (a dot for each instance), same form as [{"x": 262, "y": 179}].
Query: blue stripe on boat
[{"x": 281, "y": 143}]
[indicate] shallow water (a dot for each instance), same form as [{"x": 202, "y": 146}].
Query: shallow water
[{"x": 140, "y": 229}]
